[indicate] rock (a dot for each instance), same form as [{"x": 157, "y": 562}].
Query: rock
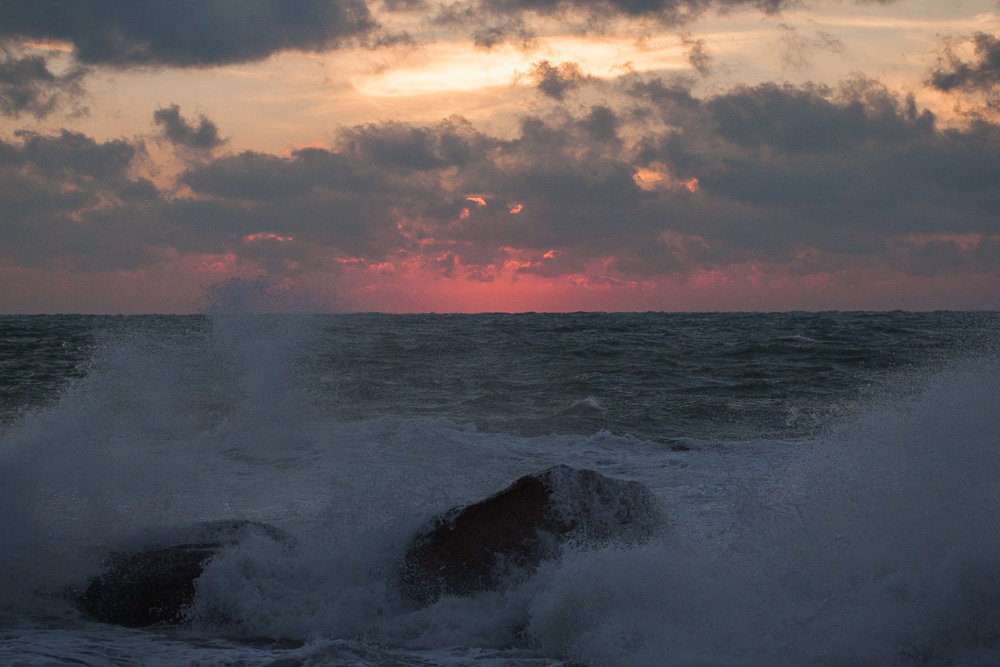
[
  {"x": 480, "y": 546},
  {"x": 156, "y": 585}
]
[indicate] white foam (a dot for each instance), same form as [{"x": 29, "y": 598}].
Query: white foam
[
  {"x": 878, "y": 547},
  {"x": 876, "y": 540}
]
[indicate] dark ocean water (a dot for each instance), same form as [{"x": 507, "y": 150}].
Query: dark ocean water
[
  {"x": 830, "y": 478},
  {"x": 654, "y": 375}
]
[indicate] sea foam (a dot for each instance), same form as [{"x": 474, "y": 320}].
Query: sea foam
[{"x": 873, "y": 543}]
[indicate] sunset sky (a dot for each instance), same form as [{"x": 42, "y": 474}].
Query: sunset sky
[{"x": 508, "y": 155}]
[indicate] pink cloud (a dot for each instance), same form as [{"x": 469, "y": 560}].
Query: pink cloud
[
  {"x": 224, "y": 263},
  {"x": 266, "y": 236}
]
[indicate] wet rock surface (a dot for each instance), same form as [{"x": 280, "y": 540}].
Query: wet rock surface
[
  {"x": 480, "y": 546},
  {"x": 156, "y": 585}
]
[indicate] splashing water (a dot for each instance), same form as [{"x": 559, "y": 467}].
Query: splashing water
[{"x": 872, "y": 543}]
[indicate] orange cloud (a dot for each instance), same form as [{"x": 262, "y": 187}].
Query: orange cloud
[
  {"x": 691, "y": 185},
  {"x": 648, "y": 179},
  {"x": 659, "y": 179}
]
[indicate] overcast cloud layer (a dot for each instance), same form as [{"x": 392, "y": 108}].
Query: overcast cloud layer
[
  {"x": 631, "y": 182},
  {"x": 185, "y": 33}
]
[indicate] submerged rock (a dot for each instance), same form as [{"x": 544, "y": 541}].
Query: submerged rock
[
  {"x": 479, "y": 546},
  {"x": 156, "y": 585}
]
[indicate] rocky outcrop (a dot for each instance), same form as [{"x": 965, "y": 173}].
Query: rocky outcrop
[
  {"x": 481, "y": 546},
  {"x": 477, "y": 547},
  {"x": 157, "y": 584}
]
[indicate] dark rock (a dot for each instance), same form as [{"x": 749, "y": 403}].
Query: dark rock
[
  {"x": 156, "y": 585},
  {"x": 480, "y": 546}
]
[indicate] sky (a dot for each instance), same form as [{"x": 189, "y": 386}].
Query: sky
[{"x": 499, "y": 156}]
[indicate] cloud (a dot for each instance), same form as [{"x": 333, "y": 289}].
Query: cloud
[
  {"x": 697, "y": 54},
  {"x": 207, "y": 33},
  {"x": 28, "y": 86},
  {"x": 506, "y": 29},
  {"x": 186, "y": 33},
  {"x": 842, "y": 171},
  {"x": 401, "y": 147},
  {"x": 71, "y": 157},
  {"x": 813, "y": 118},
  {"x": 654, "y": 181},
  {"x": 498, "y": 21},
  {"x": 390, "y": 187},
  {"x": 559, "y": 80},
  {"x": 673, "y": 12},
  {"x": 981, "y": 74},
  {"x": 349, "y": 199},
  {"x": 181, "y": 133},
  {"x": 69, "y": 198},
  {"x": 601, "y": 123},
  {"x": 797, "y": 48}
]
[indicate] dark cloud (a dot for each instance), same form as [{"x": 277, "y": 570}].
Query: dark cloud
[
  {"x": 983, "y": 74},
  {"x": 498, "y": 21},
  {"x": 28, "y": 86},
  {"x": 841, "y": 171},
  {"x": 506, "y": 30},
  {"x": 181, "y": 133},
  {"x": 401, "y": 147},
  {"x": 348, "y": 200},
  {"x": 558, "y": 80},
  {"x": 601, "y": 123},
  {"x": 71, "y": 156},
  {"x": 353, "y": 198},
  {"x": 259, "y": 176},
  {"x": 671, "y": 97},
  {"x": 930, "y": 256},
  {"x": 60, "y": 195},
  {"x": 488, "y": 28},
  {"x": 697, "y": 54},
  {"x": 674, "y": 12},
  {"x": 806, "y": 177},
  {"x": 185, "y": 33},
  {"x": 811, "y": 118}
]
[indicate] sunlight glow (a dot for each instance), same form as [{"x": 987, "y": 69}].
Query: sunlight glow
[
  {"x": 461, "y": 66},
  {"x": 266, "y": 236}
]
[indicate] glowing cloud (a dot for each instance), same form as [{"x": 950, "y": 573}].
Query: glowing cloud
[
  {"x": 652, "y": 180},
  {"x": 216, "y": 263},
  {"x": 461, "y": 66},
  {"x": 266, "y": 236}
]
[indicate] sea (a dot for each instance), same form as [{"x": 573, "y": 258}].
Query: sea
[{"x": 831, "y": 483}]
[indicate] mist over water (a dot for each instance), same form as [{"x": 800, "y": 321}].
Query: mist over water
[
  {"x": 852, "y": 520},
  {"x": 877, "y": 546}
]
